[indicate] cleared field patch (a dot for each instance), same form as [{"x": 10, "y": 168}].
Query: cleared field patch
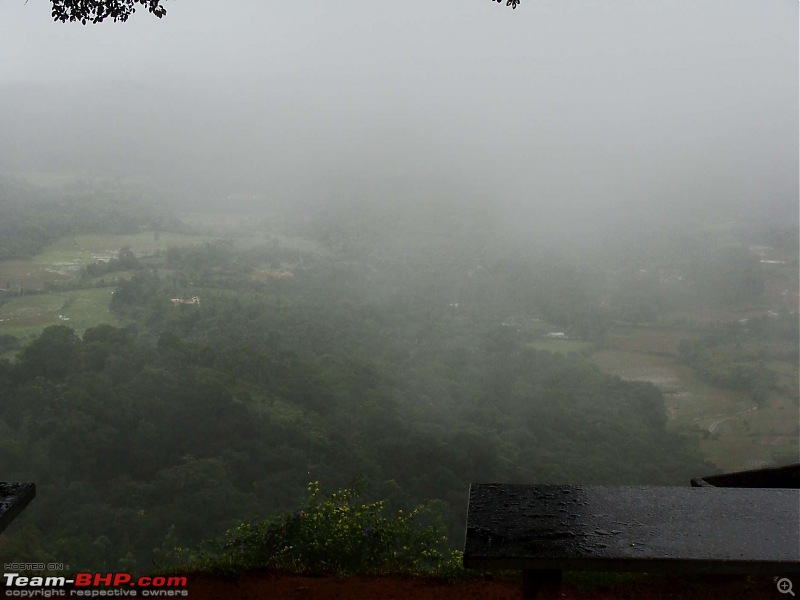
[
  {"x": 85, "y": 249},
  {"x": 703, "y": 404},
  {"x": 30, "y": 313},
  {"x": 646, "y": 340},
  {"x": 739, "y": 435},
  {"x": 689, "y": 401},
  {"x": 634, "y": 366},
  {"x": 26, "y": 316},
  {"x": 62, "y": 260},
  {"x": 708, "y": 316},
  {"x": 89, "y": 307},
  {"x": 781, "y": 281},
  {"x": 737, "y": 453},
  {"x": 31, "y": 275},
  {"x": 756, "y": 436},
  {"x": 788, "y": 375},
  {"x": 559, "y": 346}
]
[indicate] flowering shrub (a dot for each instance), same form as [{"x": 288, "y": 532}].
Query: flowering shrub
[{"x": 337, "y": 533}]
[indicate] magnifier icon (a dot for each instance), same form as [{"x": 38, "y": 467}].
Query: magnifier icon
[{"x": 785, "y": 586}]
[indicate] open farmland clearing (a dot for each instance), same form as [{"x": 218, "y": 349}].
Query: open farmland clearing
[
  {"x": 738, "y": 434},
  {"x": 28, "y": 313},
  {"x": 25, "y": 316}
]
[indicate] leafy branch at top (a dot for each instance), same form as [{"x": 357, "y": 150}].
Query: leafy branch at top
[
  {"x": 96, "y": 11},
  {"x": 511, "y": 3}
]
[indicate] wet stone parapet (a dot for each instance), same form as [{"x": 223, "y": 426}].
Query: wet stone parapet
[
  {"x": 787, "y": 476},
  {"x": 642, "y": 528}
]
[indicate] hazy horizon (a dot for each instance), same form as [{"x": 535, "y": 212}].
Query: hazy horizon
[{"x": 556, "y": 108}]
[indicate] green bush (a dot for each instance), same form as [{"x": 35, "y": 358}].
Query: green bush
[{"x": 340, "y": 534}]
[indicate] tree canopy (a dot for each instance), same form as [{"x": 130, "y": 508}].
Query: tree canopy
[{"x": 96, "y": 11}]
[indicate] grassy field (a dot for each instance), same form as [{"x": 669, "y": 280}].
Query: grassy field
[
  {"x": 646, "y": 340},
  {"x": 738, "y": 435},
  {"x": 754, "y": 437},
  {"x": 637, "y": 366},
  {"x": 62, "y": 260},
  {"x": 33, "y": 275},
  {"x": 26, "y": 316},
  {"x": 559, "y": 346},
  {"x": 85, "y": 249}
]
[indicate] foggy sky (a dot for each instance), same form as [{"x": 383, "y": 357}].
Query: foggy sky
[{"x": 589, "y": 106}]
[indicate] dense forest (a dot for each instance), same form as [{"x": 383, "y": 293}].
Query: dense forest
[
  {"x": 407, "y": 369},
  {"x": 397, "y": 351}
]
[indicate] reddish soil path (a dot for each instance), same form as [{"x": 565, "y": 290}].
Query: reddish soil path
[{"x": 263, "y": 586}]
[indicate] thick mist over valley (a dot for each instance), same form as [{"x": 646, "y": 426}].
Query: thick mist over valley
[{"x": 253, "y": 251}]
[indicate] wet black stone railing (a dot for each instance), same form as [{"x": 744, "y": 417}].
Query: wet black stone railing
[
  {"x": 13, "y": 498},
  {"x": 787, "y": 476},
  {"x": 705, "y": 530}
]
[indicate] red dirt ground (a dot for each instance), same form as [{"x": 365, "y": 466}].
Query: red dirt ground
[{"x": 262, "y": 586}]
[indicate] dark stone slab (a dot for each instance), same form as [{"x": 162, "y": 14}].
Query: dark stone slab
[
  {"x": 651, "y": 529},
  {"x": 772, "y": 477},
  {"x": 13, "y": 498}
]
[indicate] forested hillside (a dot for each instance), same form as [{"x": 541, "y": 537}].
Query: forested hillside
[{"x": 300, "y": 365}]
